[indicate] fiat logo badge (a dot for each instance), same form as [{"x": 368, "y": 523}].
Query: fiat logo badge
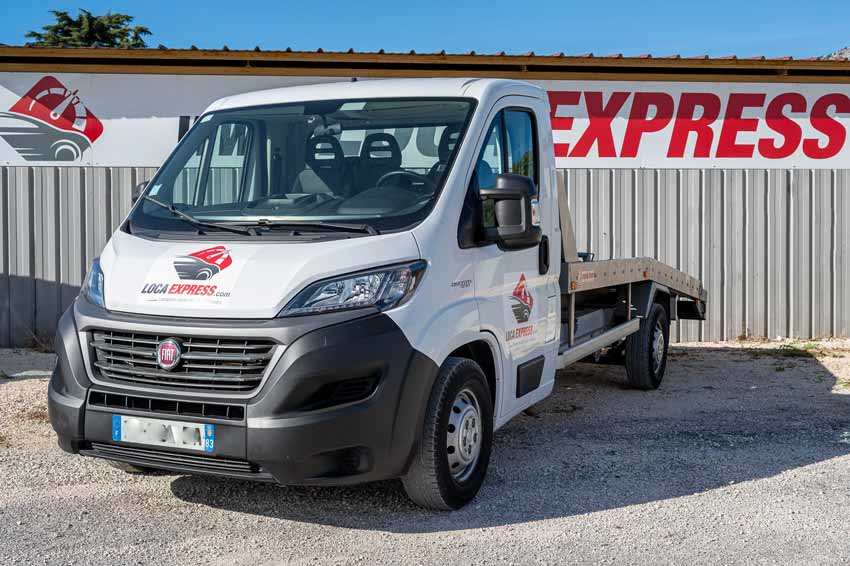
[{"x": 168, "y": 354}]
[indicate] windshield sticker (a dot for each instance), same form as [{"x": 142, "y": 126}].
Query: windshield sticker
[
  {"x": 521, "y": 328},
  {"x": 155, "y": 189},
  {"x": 205, "y": 277}
]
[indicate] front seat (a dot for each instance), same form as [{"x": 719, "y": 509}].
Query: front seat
[
  {"x": 325, "y": 168},
  {"x": 379, "y": 154},
  {"x": 448, "y": 140}
]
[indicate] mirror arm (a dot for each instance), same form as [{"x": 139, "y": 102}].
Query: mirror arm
[
  {"x": 496, "y": 193},
  {"x": 137, "y": 191}
]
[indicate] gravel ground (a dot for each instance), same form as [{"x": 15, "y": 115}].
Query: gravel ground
[{"x": 742, "y": 457}]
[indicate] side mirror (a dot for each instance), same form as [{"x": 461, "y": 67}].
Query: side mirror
[
  {"x": 511, "y": 196},
  {"x": 136, "y": 194}
]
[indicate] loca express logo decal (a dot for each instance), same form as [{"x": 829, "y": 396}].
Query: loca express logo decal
[
  {"x": 50, "y": 123},
  {"x": 521, "y": 301},
  {"x": 198, "y": 266},
  {"x": 204, "y": 264}
]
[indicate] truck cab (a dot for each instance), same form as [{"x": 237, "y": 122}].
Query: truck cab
[{"x": 326, "y": 285}]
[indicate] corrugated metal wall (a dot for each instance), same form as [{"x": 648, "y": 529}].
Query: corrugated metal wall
[
  {"x": 771, "y": 246},
  {"x": 54, "y": 221}
]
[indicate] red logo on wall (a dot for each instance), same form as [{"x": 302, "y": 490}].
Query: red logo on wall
[
  {"x": 521, "y": 301},
  {"x": 204, "y": 264},
  {"x": 50, "y": 123}
]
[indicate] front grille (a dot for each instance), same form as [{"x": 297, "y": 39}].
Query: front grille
[
  {"x": 174, "y": 460},
  {"x": 209, "y": 363}
]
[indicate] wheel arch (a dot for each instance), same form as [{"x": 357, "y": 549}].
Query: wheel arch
[
  {"x": 483, "y": 347},
  {"x": 481, "y": 352},
  {"x": 644, "y": 295}
]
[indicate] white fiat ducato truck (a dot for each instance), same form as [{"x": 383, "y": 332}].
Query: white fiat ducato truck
[{"x": 348, "y": 282}]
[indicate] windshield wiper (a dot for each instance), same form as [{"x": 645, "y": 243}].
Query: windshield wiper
[
  {"x": 320, "y": 224},
  {"x": 199, "y": 224}
]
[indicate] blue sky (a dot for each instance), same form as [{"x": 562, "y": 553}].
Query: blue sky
[{"x": 799, "y": 28}]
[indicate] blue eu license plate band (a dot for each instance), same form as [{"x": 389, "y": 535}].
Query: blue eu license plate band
[
  {"x": 116, "y": 428},
  {"x": 164, "y": 433},
  {"x": 209, "y": 438}
]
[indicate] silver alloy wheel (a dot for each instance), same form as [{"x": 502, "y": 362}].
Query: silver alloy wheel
[
  {"x": 657, "y": 348},
  {"x": 463, "y": 435}
]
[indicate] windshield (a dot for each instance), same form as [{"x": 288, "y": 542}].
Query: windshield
[{"x": 379, "y": 163}]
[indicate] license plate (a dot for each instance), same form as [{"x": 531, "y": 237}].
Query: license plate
[{"x": 158, "y": 432}]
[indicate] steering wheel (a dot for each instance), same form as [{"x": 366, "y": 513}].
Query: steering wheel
[{"x": 416, "y": 176}]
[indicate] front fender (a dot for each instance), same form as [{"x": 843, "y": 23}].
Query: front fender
[
  {"x": 449, "y": 328},
  {"x": 443, "y": 330}
]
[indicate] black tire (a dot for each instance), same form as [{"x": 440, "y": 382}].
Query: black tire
[
  {"x": 643, "y": 369},
  {"x": 129, "y": 468},
  {"x": 429, "y": 481}
]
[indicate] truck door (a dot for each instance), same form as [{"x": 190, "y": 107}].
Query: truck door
[{"x": 517, "y": 289}]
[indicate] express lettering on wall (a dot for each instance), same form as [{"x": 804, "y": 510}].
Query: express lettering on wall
[
  {"x": 633, "y": 125},
  {"x": 113, "y": 120}
]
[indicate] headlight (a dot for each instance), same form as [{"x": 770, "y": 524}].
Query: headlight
[
  {"x": 382, "y": 288},
  {"x": 93, "y": 286}
]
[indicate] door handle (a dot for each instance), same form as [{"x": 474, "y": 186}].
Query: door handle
[{"x": 543, "y": 255}]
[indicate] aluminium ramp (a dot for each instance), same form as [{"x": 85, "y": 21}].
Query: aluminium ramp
[
  {"x": 589, "y": 275},
  {"x": 577, "y": 275}
]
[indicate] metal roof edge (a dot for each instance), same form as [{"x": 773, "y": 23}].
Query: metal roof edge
[{"x": 214, "y": 61}]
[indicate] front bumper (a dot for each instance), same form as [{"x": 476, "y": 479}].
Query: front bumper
[{"x": 292, "y": 430}]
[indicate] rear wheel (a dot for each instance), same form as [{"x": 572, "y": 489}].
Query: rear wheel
[
  {"x": 451, "y": 459},
  {"x": 646, "y": 350}
]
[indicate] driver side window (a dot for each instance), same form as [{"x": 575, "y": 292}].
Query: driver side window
[
  {"x": 491, "y": 163},
  {"x": 521, "y": 147},
  {"x": 510, "y": 147}
]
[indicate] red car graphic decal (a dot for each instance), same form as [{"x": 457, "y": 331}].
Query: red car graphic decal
[
  {"x": 521, "y": 301},
  {"x": 53, "y": 103},
  {"x": 50, "y": 123},
  {"x": 204, "y": 264}
]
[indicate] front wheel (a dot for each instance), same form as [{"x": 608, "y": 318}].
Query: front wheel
[
  {"x": 453, "y": 453},
  {"x": 646, "y": 350}
]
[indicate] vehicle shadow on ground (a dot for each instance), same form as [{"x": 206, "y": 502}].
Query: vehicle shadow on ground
[{"x": 722, "y": 416}]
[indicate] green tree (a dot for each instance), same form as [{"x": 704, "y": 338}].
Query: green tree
[{"x": 86, "y": 30}]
